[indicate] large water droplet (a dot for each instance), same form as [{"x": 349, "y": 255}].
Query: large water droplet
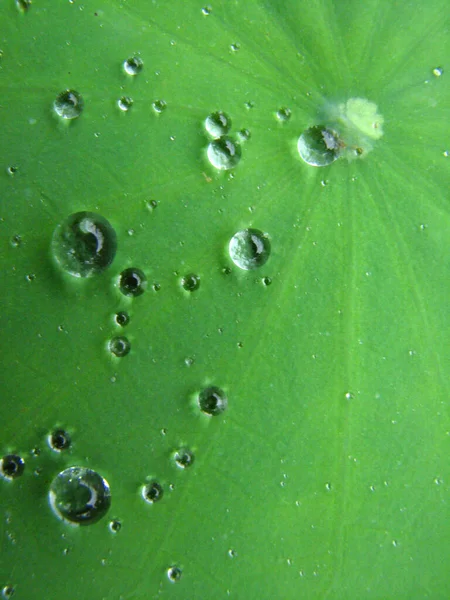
[
  {"x": 224, "y": 153},
  {"x": 68, "y": 104},
  {"x": 212, "y": 401},
  {"x": 59, "y": 440},
  {"x": 152, "y": 492},
  {"x": 80, "y": 496},
  {"x": 133, "y": 65},
  {"x": 318, "y": 146},
  {"x": 217, "y": 124},
  {"x": 132, "y": 282},
  {"x": 249, "y": 249},
  {"x": 12, "y": 466},
  {"x": 84, "y": 244}
]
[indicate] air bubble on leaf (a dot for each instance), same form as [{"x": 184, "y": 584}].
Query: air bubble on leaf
[
  {"x": 249, "y": 249},
  {"x": 212, "y": 401},
  {"x": 174, "y": 574},
  {"x": 132, "y": 282},
  {"x": 224, "y": 153},
  {"x": 125, "y": 103},
  {"x": 68, "y": 104},
  {"x": 159, "y": 106},
  {"x": 152, "y": 492},
  {"x": 318, "y": 146},
  {"x": 122, "y": 318},
  {"x": 12, "y": 466},
  {"x": 184, "y": 458},
  {"x": 190, "y": 282},
  {"x": 133, "y": 65},
  {"x": 119, "y": 346},
  {"x": 59, "y": 440},
  {"x": 217, "y": 124},
  {"x": 84, "y": 244},
  {"x": 80, "y": 496}
]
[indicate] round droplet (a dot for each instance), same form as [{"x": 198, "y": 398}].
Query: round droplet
[
  {"x": 184, "y": 458},
  {"x": 80, "y": 496},
  {"x": 16, "y": 241},
  {"x": 206, "y": 10},
  {"x": 132, "y": 282},
  {"x": 122, "y": 318},
  {"x": 266, "y": 280},
  {"x": 68, "y": 104},
  {"x": 224, "y": 153},
  {"x": 318, "y": 146},
  {"x": 190, "y": 282},
  {"x": 174, "y": 574},
  {"x": 84, "y": 244},
  {"x": 23, "y": 5},
  {"x": 133, "y": 65},
  {"x": 12, "y": 466},
  {"x": 438, "y": 71},
  {"x": 249, "y": 249},
  {"x": 283, "y": 114},
  {"x": 125, "y": 103},
  {"x": 115, "y": 525},
  {"x": 152, "y": 492},
  {"x": 235, "y": 47},
  {"x": 217, "y": 124},
  {"x": 159, "y": 106},
  {"x": 59, "y": 440},
  {"x": 12, "y": 170},
  {"x": 8, "y": 591},
  {"x": 244, "y": 135},
  {"x": 119, "y": 346},
  {"x": 212, "y": 401}
]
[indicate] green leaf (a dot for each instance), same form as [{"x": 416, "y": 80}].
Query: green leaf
[{"x": 326, "y": 474}]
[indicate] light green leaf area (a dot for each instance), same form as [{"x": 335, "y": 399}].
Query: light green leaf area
[{"x": 328, "y": 474}]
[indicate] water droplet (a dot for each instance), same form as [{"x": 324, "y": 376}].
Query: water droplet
[
  {"x": 328, "y": 487},
  {"x": 232, "y": 553},
  {"x": 151, "y": 204},
  {"x": 156, "y": 287},
  {"x": 23, "y": 5},
  {"x": 190, "y": 282},
  {"x": 12, "y": 170},
  {"x": 132, "y": 282},
  {"x": 212, "y": 401},
  {"x": 349, "y": 396},
  {"x": 119, "y": 346},
  {"x": 152, "y": 492},
  {"x": 183, "y": 458},
  {"x": 125, "y": 103},
  {"x": 249, "y": 105},
  {"x": 318, "y": 146},
  {"x": 224, "y": 153},
  {"x": 115, "y": 525},
  {"x": 59, "y": 440},
  {"x": 16, "y": 241},
  {"x": 249, "y": 249},
  {"x": 133, "y": 65},
  {"x": 189, "y": 361},
  {"x": 244, "y": 135},
  {"x": 446, "y": 153},
  {"x": 174, "y": 574},
  {"x": 266, "y": 280},
  {"x": 122, "y": 318},
  {"x": 283, "y": 114},
  {"x": 84, "y": 244},
  {"x": 68, "y": 104},
  {"x": 8, "y": 591},
  {"x": 80, "y": 496},
  {"x": 235, "y": 47},
  {"x": 438, "y": 71},
  {"x": 12, "y": 466},
  {"x": 206, "y": 10},
  {"x": 217, "y": 124},
  {"x": 30, "y": 277},
  {"x": 159, "y": 106}
]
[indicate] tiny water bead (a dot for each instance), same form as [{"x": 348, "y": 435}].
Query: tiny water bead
[
  {"x": 438, "y": 71},
  {"x": 249, "y": 249},
  {"x": 184, "y": 458},
  {"x": 68, "y": 104},
  {"x": 12, "y": 170},
  {"x": 244, "y": 135},
  {"x": 16, "y": 241},
  {"x": 283, "y": 114},
  {"x": 212, "y": 401},
  {"x": 122, "y": 318},
  {"x": 23, "y": 5},
  {"x": 115, "y": 525},
  {"x": 206, "y": 10},
  {"x": 8, "y": 591},
  {"x": 119, "y": 346},
  {"x": 224, "y": 153},
  {"x": 152, "y": 492},
  {"x": 266, "y": 281},
  {"x": 174, "y": 574},
  {"x": 125, "y": 103},
  {"x": 84, "y": 244},
  {"x": 12, "y": 466},
  {"x": 59, "y": 440},
  {"x": 318, "y": 146},
  {"x": 80, "y": 496},
  {"x": 217, "y": 124},
  {"x": 133, "y": 65},
  {"x": 132, "y": 282},
  {"x": 159, "y": 106},
  {"x": 190, "y": 282}
]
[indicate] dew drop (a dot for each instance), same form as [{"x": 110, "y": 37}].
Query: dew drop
[
  {"x": 122, "y": 318},
  {"x": 174, "y": 574},
  {"x": 266, "y": 281},
  {"x": 8, "y": 591},
  {"x": 224, "y": 153},
  {"x": 190, "y": 282},
  {"x": 132, "y": 282},
  {"x": 184, "y": 458},
  {"x": 159, "y": 106},
  {"x": 151, "y": 205},
  {"x": 232, "y": 553},
  {"x": 283, "y": 114},
  {"x": 206, "y": 10},
  {"x": 84, "y": 244},
  {"x": 318, "y": 146},
  {"x": 235, "y": 47},
  {"x": 125, "y": 103},
  {"x": 12, "y": 466},
  {"x": 244, "y": 135},
  {"x": 12, "y": 170},
  {"x": 30, "y": 277},
  {"x": 152, "y": 492},
  {"x": 68, "y": 104},
  {"x": 59, "y": 440},
  {"x": 217, "y": 124},
  {"x": 438, "y": 71},
  {"x": 189, "y": 361},
  {"x": 133, "y": 65},
  {"x": 115, "y": 525},
  {"x": 212, "y": 401},
  {"x": 119, "y": 346},
  {"x": 80, "y": 496},
  {"x": 249, "y": 249},
  {"x": 23, "y": 5}
]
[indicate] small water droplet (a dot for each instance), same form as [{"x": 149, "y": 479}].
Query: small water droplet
[
  {"x": 190, "y": 282},
  {"x": 84, "y": 244},
  {"x": 122, "y": 318},
  {"x": 16, "y": 241},
  {"x": 217, "y": 124},
  {"x": 438, "y": 71},
  {"x": 8, "y": 591},
  {"x": 349, "y": 396},
  {"x": 249, "y": 249},
  {"x": 189, "y": 361},
  {"x": 283, "y": 114},
  {"x": 12, "y": 466},
  {"x": 59, "y": 440},
  {"x": 12, "y": 170},
  {"x": 446, "y": 153},
  {"x": 23, "y": 5},
  {"x": 212, "y": 401},
  {"x": 244, "y": 135},
  {"x": 328, "y": 487},
  {"x": 174, "y": 574},
  {"x": 226, "y": 271},
  {"x": 156, "y": 287},
  {"x": 232, "y": 553},
  {"x": 249, "y": 105},
  {"x": 318, "y": 146},
  {"x": 235, "y": 47},
  {"x": 115, "y": 525},
  {"x": 132, "y": 282},
  {"x": 159, "y": 106},
  {"x": 152, "y": 492},
  {"x": 206, "y": 10},
  {"x": 79, "y": 496},
  {"x": 125, "y": 103},
  {"x": 224, "y": 153},
  {"x": 68, "y": 104},
  {"x": 266, "y": 281},
  {"x": 151, "y": 205},
  {"x": 119, "y": 346},
  {"x": 184, "y": 458},
  {"x": 30, "y": 277},
  {"x": 133, "y": 65}
]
